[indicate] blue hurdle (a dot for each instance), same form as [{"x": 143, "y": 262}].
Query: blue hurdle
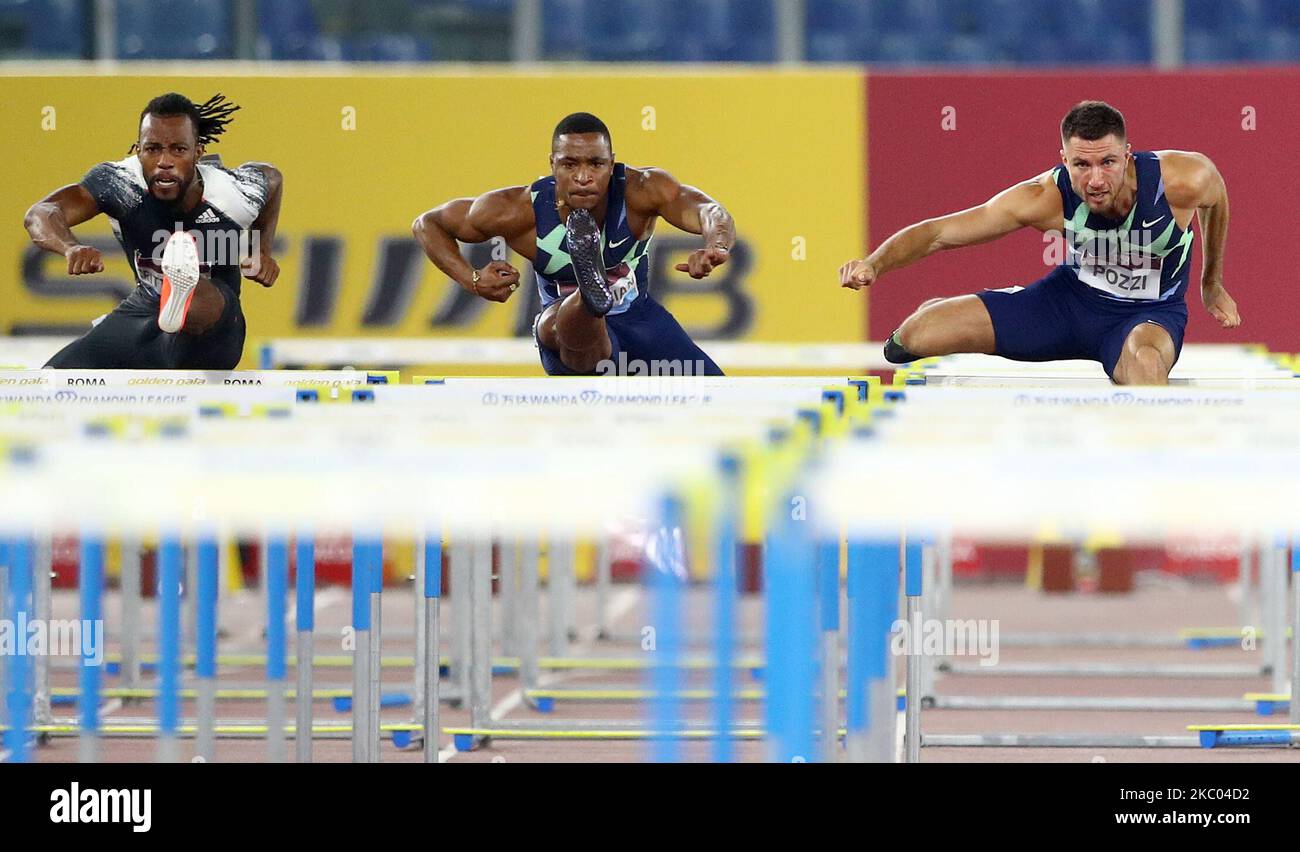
[
  {"x": 664, "y": 577},
  {"x": 19, "y": 691},
  {"x": 725, "y": 592},
  {"x": 305, "y": 554},
  {"x": 277, "y": 588},
  {"x": 92, "y": 612},
  {"x": 205, "y": 667},
  {"x": 873, "y": 594},
  {"x": 790, "y": 637},
  {"x": 375, "y": 575},
  {"x": 361, "y": 708},
  {"x": 5, "y": 612},
  {"x": 857, "y": 706},
  {"x": 912, "y": 578},
  {"x": 1295, "y": 630},
  {"x": 431, "y": 564},
  {"x": 170, "y": 558},
  {"x": 828, "y": 605}
]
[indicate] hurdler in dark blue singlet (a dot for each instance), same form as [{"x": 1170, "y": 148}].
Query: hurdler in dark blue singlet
[
  {"x": 1116, "y": 275},
  {"x": 645, "y": 339}
]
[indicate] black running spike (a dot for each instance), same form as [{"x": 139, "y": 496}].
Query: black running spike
[{"x": 588, "y": 265}]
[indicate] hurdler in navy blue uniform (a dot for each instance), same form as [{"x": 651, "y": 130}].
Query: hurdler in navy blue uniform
[
  {"x": 587, "y": 230},
  {"x": 162, "y": 187},
  {"x": 1118, "y": 294}
]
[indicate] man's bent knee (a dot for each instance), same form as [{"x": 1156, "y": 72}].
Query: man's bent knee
[
  {"x": 904, "y": 344},
  {"x": 898, "y": 348},
  {"x": 1144, "y": 365},
  {"x": 205, "y": 310},
  {"x": 1148, "y": 356}
]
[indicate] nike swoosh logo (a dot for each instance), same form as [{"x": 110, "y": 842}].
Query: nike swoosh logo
[
  {"x": 619, "y": 243},
  {"x": 1146, "y": 224}
]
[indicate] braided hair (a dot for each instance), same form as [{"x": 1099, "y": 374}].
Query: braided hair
[{"x": 210, "y": 118}]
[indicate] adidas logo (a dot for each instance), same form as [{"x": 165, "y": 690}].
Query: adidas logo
[{"x": 207, "y": 217}]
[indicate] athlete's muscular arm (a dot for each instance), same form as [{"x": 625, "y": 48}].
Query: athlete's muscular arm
[
  {"x": 1033, "y": 203},
  {"x": 262, "y": 267},
  {"x": 504, "y": 213},
  {"x": 1193, "y": 181},
  {"x": 688, "y": 209},
  {"x": 50, "y": 222}
]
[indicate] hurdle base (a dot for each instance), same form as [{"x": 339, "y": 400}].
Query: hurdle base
[
  {"x": 1092, "y": 741},
  {"x": 470, "y": 742},
  {"x": 1222, "y": 736},
  {"x": 542, "y": 704},
  {"x": 1201, "y": 643},
  {"x": 1240, "y": 739},
  {"x": 343, "y": 703}
]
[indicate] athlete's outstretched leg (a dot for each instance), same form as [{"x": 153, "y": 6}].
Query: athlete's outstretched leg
[
  {"x": 1147, "y": 357},
  {"x": 943, "y": 327},
  {"x": 576, "y": 328},
  {"x": 580, "y": 337}
]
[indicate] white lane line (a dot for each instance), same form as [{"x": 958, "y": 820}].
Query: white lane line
[{"x": 621, "y": 604}]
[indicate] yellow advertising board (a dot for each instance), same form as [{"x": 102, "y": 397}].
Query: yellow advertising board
[{"x": 363, "y": 154}]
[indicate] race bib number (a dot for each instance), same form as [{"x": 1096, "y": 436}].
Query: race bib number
[
  {"x": 148, "y": 272},
  {"x": 622, "y": 283},
  {"x": 1139, "y": 281},
  {"x": 622, "y": 280}
]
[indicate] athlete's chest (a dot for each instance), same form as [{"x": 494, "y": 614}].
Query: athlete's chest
[
  {"x": 220, "y": 241},
  {"x": 622, "y": 221},
  {"x": 151, "y": 215},
  {"x": 1129, "y": 259},
  {"x": 624, "y": 233}
]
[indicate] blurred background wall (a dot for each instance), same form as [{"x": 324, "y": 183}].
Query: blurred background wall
[{"x": 887, "y": 32}]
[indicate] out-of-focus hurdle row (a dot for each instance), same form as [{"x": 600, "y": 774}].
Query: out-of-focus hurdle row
[
  {"x": 1185, "y": 453},
  {"x": 472, "y": 465},
  {"x": 89, "y": 427}
]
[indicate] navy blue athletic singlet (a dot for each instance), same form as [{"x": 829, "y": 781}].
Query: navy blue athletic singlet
[
  {"x": 1115, "y": 275},
  {"x": 645, "y": 338}
]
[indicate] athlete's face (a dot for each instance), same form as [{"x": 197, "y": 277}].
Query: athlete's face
[
  {"x": 582, "y": 164},
  {"x": 1097, "y": 169},
  {"x": 169, "y": 155}
]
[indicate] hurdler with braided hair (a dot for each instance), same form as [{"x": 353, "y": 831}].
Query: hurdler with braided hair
[{"x": 190, "y": 229}]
